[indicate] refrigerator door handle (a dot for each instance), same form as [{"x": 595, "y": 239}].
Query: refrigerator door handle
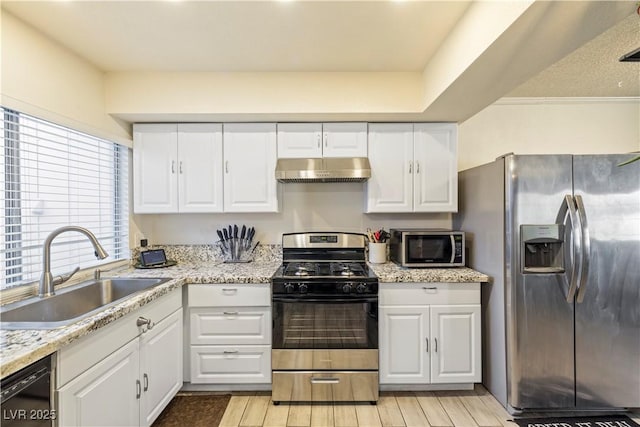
[
  {"x": 569, "y": 206},
  {"x": 586, "y": 250}
]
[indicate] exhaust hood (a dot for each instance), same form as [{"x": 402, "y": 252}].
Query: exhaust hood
[{"x": 327, "y": 169}]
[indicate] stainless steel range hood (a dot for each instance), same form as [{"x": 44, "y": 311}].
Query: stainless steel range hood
[{"x": 328, "y": 169}]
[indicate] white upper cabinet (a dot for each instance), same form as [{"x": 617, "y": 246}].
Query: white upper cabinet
[
  {"x": 177, "y": 168},
  {"x": 313, "y": 140},
  {"x": 250, "y": 155},
  {"x": 344, "y": 139},
  {"x": 155, "y": 156},
  {"x": 390, "y": 188},
  {"x": 435, "y": 154},
  {"x": 413, "y": 168},
  {"x": 299, "y": 140},
  {"x": 200, "y": 167}
]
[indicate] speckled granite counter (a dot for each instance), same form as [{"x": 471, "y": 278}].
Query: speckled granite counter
[
  {"x": 201, "y": 265},
  {"x": 19, "y": 348},
  {"x": 392, "y": 273}
]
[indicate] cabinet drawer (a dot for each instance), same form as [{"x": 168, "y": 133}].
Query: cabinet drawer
[
  {"x": 429, "y": 293},
  {"x": 230, "y": 325},
  {"x": 230, "y": 295},
  {"x": 230, "y": 364}
]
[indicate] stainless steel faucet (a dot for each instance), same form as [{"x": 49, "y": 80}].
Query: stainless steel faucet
[{"x": 47, "y": 281}]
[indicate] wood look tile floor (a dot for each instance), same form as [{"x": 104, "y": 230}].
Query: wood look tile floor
[{"x": 475, "y": 408}]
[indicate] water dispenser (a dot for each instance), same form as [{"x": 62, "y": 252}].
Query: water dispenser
[{"x": 541, "y": 248}]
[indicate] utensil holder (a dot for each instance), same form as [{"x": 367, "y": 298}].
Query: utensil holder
[
  {"x": 235, "y": 250},
  {"x": 377, "y": 253}
]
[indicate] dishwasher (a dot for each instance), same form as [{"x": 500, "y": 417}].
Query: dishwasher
[{"x": 26, "y": 396}]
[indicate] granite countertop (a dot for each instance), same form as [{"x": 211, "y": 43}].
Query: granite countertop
[
  {"x": 19, "y": 348},
  {"x": 393, "y": 273}
]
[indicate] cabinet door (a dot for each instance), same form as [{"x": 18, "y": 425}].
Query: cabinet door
[
  {"x": 344, "y": 139},
  {"x": 250, "y": 164},
  {"x": 200, "y": 167},
  {"x": 390, "y": 188},
  {"x": 299, "y": 140},
  {"x": 160, "y": 366},
  {"x": 404, "y": 352},
  {"x": 105, "y": 395},
  {"x": 455, "y": 357},
  {"x": 436, "y": 167},
  {"x": 155, "y": 182}
]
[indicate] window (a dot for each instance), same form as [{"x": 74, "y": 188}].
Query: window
[{"x": 54, "y": 176}]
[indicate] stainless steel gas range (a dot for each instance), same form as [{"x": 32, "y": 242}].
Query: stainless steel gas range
[{"x": 325, "y": 320}]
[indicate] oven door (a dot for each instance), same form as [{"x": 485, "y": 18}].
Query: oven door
[{"x": 307, "y": 322}]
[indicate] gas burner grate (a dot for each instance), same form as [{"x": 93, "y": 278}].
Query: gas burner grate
[{"x": 300, "y": 269}]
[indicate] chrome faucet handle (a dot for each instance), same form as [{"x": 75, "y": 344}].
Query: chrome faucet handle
[
  {"x": 96, "y": 274},
  {"x": 64, "y": 277}
]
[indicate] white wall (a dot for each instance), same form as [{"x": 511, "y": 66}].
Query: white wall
[
  {"x": 41, "y": 78},
  {"x": 306, "y": 207},
  {"x": 550, "y": 125}
]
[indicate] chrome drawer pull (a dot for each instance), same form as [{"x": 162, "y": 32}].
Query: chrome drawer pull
[
  {"x": 229, "y": 289},
  {"x": 230, "y": 351},
  {"x": 325, "y": 380},
  {"x": 230, "y": 313},
  {"x": 430, "y": 288},
  {"x": 142, "y": 321}
]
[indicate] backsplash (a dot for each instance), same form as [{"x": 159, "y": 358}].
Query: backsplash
[{"x": 209, "y": 253}]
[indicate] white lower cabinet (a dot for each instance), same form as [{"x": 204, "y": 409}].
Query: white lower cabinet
[
  {"x": 160, "y": 366},
  {"x": 138, "y": 373},
  {"x": 105, "y": 395},
  {"x": 229, "y": 334},
  {"x": 430, "y": 333},
  {"x": 224, "y": 364}
]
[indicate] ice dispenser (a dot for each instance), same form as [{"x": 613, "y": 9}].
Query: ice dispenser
[{"x": 541, "y": 248}]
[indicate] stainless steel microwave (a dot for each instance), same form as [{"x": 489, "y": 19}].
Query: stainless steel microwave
[{"x": 413, "y": 247}]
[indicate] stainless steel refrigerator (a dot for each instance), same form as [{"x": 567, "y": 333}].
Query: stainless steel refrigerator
[{"x": 560, "y": 237}]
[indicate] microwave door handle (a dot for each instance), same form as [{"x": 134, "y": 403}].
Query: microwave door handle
[{"x": 453, "y": 249}]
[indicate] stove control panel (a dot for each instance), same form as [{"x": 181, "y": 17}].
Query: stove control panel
[{"x": 321, "y": 289}]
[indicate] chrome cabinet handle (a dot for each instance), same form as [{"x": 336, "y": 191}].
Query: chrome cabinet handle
[
  {"x": 430, "y": 288},
  {"x": 138, "y": 389},
  {"x": 410, "y": 166},
  {"x": 417, "y": 167},
  {"x": 230, "y": 351},
  {"x": 229, "y": 289},
  {"x": 230, "y": 313},
  {"x": 173, "y": 166},
  {"x": 146, "y": 382},
  {"x": 226, "y": 166},
  {"x": 142, "y": 321},
  {"x": 436, "y": 341},
  {"x": 324, "y": 380},
  {"x": 427, "y": 340},
  {"x": 318, "y": 140},
  {"x": 180, "y": 167},
  {"x": 326, "y": 140}
]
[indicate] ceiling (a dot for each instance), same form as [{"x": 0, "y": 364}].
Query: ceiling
[
  {"x": 592, "y": 70},
  {"x": 552, "y": 49},
  {"x": 246, "y": 35}
]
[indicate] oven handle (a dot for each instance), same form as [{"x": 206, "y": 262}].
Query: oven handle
[{"x": 324, "y": 300}]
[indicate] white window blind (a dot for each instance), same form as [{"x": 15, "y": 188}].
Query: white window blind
[{"x": 54, "y": 176}]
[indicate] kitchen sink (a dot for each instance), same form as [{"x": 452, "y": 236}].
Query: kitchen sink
[{"x": 73, "y": 303}]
